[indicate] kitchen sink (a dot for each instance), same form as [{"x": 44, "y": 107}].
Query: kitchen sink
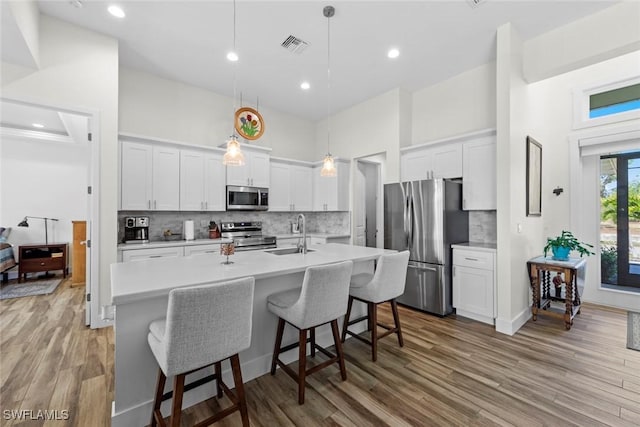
[{"x": 287, "y": 251}]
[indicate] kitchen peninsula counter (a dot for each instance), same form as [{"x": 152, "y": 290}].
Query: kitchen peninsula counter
[{"x": 140, "y": 292}]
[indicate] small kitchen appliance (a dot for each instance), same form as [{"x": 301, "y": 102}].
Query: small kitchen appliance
[
  {"x": 136, "y": 229},
  {"x": 241, "y": 198}
]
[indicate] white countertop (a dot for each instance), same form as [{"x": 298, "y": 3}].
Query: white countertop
[
  {"x": 476, "y": 246},
  {"x": 133, "y": 281},
  {"x": 312, "y": 234},
  {"x": 170, "y": 244}
]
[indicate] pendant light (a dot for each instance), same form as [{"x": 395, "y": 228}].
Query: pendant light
[
  {"x": 328, "y": 164},
  {"x": 233, "y": 156}
]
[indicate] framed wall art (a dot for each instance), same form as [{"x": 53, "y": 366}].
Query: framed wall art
[
  {"x": 534, "y": 177},
  {"x": 249, "y": 123}
]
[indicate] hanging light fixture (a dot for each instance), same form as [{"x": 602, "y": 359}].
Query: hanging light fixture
[
  {"x": 328, "y": 164},
  {"x": 233, "y": 156}
]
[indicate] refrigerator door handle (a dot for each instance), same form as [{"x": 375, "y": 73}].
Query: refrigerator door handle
[{"x": 406, "y": 223}]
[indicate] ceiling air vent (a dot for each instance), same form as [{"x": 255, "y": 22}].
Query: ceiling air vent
[{"x": 294, "y": 44}]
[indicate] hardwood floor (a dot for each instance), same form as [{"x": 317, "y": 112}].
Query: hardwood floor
[{"x": 450, "y": 372}]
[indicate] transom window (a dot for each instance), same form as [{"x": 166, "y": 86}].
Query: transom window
[{"x": 614, "y": 101}]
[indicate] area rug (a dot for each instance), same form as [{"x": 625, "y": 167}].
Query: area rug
[
  {"x": 633, "y": 331},
  {"x": 26, "y": 289}
]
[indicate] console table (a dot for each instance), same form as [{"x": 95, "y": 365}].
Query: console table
[
  {"x": 37, "y": 258},
  {"x": 540, "y": 269}
]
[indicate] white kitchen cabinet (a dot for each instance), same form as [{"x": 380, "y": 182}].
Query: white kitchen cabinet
[
  {"x": 474, "y": 286},
  {"x": 202, "y": 181},
  {"x": 255, "y": 171},
  {"x": 150, "y": 177},
  {"x": 479, "y": 185},
  {"x": 290, "y": 187},
  {"x": 202, "y": 249},
  {"x": 331, "y": 193},
  {"x": 142, "y": 254},
  {"x": 442, "y": 160}
]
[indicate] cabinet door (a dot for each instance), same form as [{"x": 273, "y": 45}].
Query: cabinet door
[
  {"x": 201, "y": 249},
  {"x": 136, "y": 176},
  {"x": 416, "y": 165},
  {"x": 320, "y": 190},
  {"x": 479, "y": 174},
  {"x": 239, "y": 175},
  {"x": 259, "y": 169},
  {"x": 191, "y": 180},
  {"x": 214, "y": 182},
  {"x": 301, "y": 188},
  {"x": 166, "y": 179},
  {"x": 279, "y": 193},
  {"x": 473, "y": 290},
  {"x": 446, "y": 161},
  {"x": 143, "y": 254}
]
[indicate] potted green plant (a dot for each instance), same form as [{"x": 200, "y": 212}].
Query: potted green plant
[{"x": 563, "y": 244}]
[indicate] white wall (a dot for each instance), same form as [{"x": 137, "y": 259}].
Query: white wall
[
  {"x": 604, "y": 35},
  {"x": 27, "y": 18},
  {"x": 371, "y": 127},
  {"x": 44, "y": 179},
  {"x": 459, "y": 105},
  {"x": 167, "y": 109},
  {"x": 79, "y": 69}
]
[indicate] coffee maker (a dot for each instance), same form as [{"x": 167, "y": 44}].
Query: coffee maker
[{"x": 136, "y": 229}]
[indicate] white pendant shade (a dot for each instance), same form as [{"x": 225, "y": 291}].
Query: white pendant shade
[
  {"x": 328, "y": 166},
  {"x": 233, "y": 156}
]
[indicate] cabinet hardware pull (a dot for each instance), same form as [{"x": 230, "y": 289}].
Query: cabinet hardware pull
[
  {"x": 471, "y": 259},
  {"x": 148, "y": 204},
  {"x": 155, "y": 204},
  {"x": 155, "y": 256}
]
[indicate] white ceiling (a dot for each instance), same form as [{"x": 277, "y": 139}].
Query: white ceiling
[{"x": 188, "y": 41}]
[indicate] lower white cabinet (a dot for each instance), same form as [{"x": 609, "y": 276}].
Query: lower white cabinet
[
  {"x": 474, "y": 293},
  {"x": 202, "y": 249},
  {"x": 142, "y": 254}
]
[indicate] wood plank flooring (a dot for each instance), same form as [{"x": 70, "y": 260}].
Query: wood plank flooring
[{"x": 451, "y": 372}]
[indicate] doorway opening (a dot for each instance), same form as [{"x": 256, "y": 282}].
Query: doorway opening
[
  {"x": 620, "y": 220},
  {"x": 367, "y": 203},
  {"x": 50, "y": 168}
]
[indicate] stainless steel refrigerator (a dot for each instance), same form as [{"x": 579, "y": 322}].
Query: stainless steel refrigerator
[{"x": 426, "y": 217}]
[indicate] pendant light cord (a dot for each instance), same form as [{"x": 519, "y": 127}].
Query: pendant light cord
[
  {"x": 328, "y": 84},
  {"x": 235, "y": 77}
]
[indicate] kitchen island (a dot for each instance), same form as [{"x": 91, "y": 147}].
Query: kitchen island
[{"x": 140, "y": 293}]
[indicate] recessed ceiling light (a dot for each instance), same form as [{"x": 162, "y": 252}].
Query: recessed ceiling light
[
  {"x": 305, "y": 85},
  {"x": 37, "y": 125},
  {"x": 116, "y": 11},
  {"x": 232, "y": 56},
  {"x": 393, "y": 53}
]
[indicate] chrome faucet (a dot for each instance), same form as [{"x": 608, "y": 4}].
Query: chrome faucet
[{"x": 302, "y": 247}]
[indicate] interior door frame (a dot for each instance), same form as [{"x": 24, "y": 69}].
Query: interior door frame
[
  {"x": 92, "y": 285},
  {"x": 378, "y": 162}
]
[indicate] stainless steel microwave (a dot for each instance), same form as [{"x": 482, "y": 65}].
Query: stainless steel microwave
[{"x": 247, "y": 198}]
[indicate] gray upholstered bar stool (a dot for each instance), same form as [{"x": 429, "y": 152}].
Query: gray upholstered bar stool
[
  {"x": 385, "y": 285},
  {"x": 204, "y": 326},
  {"x": 322, "y": 299}
]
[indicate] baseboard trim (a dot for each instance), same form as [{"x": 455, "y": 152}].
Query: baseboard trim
[{"x": 510, "y": 327}]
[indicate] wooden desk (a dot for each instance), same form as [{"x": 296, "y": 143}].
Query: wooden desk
[
  {"x": 540, "y": 269},
  {"x": 37, "y": 258}
]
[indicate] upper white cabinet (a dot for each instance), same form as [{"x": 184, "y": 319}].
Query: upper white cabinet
[
  {"x": 150, "y": 177},
  {"x": 202, "y": 181},
  {"x": 331, "y": 193},
  {"x": 290, "y": 186},
  {"x": 443, "y": 160},
  {"x": 479, "y": 184},
  {"x": 255, "y": 172}
]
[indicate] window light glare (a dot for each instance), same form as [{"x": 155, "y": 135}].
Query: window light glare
[
  {"x": 37, "y": 125},
  {"x": 393, "y": 53},
  {"x": 116, "y": 11},
  {"x": 305, "y": 85},
  {"x": 232, "y": 56}
]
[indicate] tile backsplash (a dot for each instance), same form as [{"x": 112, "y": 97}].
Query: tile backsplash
[
  {"x": 483, "y": 226},
  {"x": 273, "y": 223}
]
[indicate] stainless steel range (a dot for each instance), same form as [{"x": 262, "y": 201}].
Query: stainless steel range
[{"x": 247, "y": 235}]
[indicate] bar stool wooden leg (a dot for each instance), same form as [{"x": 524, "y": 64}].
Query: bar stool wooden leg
[
  {"x": 276, "y": 348},
  {"x": 346, "y": 319},
  {"x": 302, "y": 364},
  {"x": 396, "y": 320},
  {"x": 158, "y": 398},
  {"x": 176, "y": 409},
  {"x": 373, "y": 318},
  {"x": 312, "y": 335},
  {"x": 336, "y": 339},
  {"x": 237, "y": 379},
  {"x": 218, "y": 372}
]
